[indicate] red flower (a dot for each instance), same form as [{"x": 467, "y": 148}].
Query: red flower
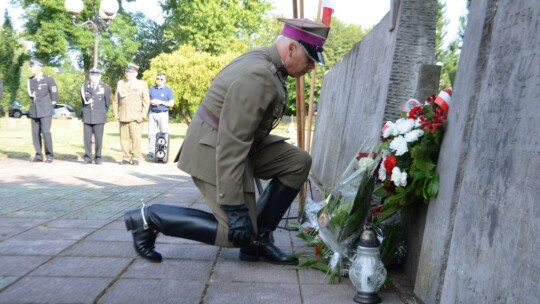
[
  {"x": 415, "y": 112},
  {"x": 318, "y": 250},
  {"x": 308, "y": 230},
  {"x": 434, "y": 124},
  {"x": 376, "y": 211},
  {"x": 389, "y": 163},
  {"x": 361, "y": 155}
]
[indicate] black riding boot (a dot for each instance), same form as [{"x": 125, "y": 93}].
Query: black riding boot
[
  {"x": 272, "y": 205},
  {"x": 187, "y": 223}
]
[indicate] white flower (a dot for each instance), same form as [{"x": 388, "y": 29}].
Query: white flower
[
  {"x": 413, "y": 135},
  {"x": 399, "y": 145},
  {"x": 382, "y": 170},
  {"x": 388, "y": 129},
  {"x": 404, "y": 125},
  {"x": 399, "y": 178},
  {"x": 366, "y": 162}
]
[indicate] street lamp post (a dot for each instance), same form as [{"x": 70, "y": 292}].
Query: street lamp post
[{"x": 99, "y": 22}]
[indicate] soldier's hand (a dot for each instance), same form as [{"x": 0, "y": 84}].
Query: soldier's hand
[{"x": 241, "y": 232}]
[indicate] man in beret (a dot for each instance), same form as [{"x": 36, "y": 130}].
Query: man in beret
[
  {"x": 131, "y": 109},
  {"x": 96, "y": 100},
  {"x": 228, "y": 144},
  {"x": 44, "y": 94}
]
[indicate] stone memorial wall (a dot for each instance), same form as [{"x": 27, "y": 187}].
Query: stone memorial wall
[
  {"x": 480, "y": 243},
  {"x": 370, "y": 84}
]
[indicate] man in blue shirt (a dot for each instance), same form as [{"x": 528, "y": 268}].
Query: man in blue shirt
[{"x": 161, "y": 100}]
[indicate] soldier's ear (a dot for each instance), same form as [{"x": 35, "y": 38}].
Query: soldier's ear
[{"x": 292, "y": 47}]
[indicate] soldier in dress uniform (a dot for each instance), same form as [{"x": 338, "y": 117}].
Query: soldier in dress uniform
[
  {"x": 44, "y": 94},
  {"x": 96, "y": 100},
  {"x": 228, "y": 144},
  {"x": 131, "y": 109}
]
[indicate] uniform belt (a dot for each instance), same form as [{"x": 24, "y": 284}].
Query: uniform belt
[
  {"x": 208, "y": 117},
  {"x": 159, "y": 111}
]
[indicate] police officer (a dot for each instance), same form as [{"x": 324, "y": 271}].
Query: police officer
[
  {"x": 228, "y": 144},
  {"x": 131, "y": 109},
  {"x": 44, "y": 94},
  {"x": 96, "y": 100}
]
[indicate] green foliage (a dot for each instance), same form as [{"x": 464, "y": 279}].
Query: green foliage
[
  {"x": 418, "y": 162},
  {"x": 56, "y": 41},
  {"x": 189, "y": 74},
  {"x": 11, "y": 60},
  {"x": 393, "y": 247},
  {"x": 448, "y": 57},
  {"x": 215, "y": 26},
  {"x": 155, "y": 42}
]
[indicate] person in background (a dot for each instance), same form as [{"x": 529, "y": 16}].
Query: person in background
[
  {"x": 161, "y": 100},
  {"x": 96, "y": 100},
  {"x": 131, "y": 109},
  {"x": 228, "y": 144},
  {"x": 44, "y": 94}
]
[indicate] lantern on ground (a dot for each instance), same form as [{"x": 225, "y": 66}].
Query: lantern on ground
[{"x": 367, "y": 272}]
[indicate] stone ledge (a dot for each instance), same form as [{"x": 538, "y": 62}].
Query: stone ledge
[{"x": 402, "y": 285}]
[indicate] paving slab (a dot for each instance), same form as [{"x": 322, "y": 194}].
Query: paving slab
[{"x": 63, "y": 240}]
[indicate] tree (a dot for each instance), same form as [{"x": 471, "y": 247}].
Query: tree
[
  {"x": 215, "y": 26},
  {"x": 155, "y": 42},
  {"x": 447, "y": 57},
  {"x": 189, "y": 73},
  {"x": 11, "y": 60},
  {"x": 56, "y": 41}
]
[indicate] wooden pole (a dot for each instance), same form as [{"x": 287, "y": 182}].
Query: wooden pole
[
  {"x": 312, "y": 92},
  {"x": 300, "y": 113}
]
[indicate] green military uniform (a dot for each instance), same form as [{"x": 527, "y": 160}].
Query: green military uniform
[
  {"x": 132, "y": 103},
  {"x": 247, "y": 96},
  {"x": 228, "y": 144}
]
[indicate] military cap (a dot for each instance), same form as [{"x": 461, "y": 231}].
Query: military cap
[
  {"x": 94, "y": 71},
  {"x": 132, "y": 67},
  {"x": 311, "y": 35},
  {"x": 36, "y": 62}
]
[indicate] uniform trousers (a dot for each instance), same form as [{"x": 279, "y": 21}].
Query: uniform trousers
[
  {"x": 97, "y": 131},
  {"x": 41, "y": 128},
  {"x": 156, "y": 121},
  {"x": 279, "y": 160},
  {"x": 130, "y": 140}
]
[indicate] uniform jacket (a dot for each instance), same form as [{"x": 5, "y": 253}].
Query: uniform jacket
[
  {"x": 43, "y": 93},
  {"x": 95, "y": 103},
  {"x": 132, "y": 100},
  {"x": 248, "y": 96}
]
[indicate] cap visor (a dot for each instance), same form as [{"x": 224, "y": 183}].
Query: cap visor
[{"x": 312, "y": 53}]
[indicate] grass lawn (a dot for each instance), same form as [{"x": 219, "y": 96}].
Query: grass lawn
[{"x": 67, "y": 136}]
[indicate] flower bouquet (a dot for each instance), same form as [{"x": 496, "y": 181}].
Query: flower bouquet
[
  {"x": 341, "y": 218},
  {"x": 410, "y": 150}
]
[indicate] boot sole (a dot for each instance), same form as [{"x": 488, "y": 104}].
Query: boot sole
[{"x": 250, "y": 258}]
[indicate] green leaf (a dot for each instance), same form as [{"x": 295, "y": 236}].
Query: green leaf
[
  {"x": 387, "y": 211},
  {"x": 433, "y": 186},
  {"x": 380, "y": 192}
]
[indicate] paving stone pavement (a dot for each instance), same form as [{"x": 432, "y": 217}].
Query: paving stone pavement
[{"x": 63, "y": 240}]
